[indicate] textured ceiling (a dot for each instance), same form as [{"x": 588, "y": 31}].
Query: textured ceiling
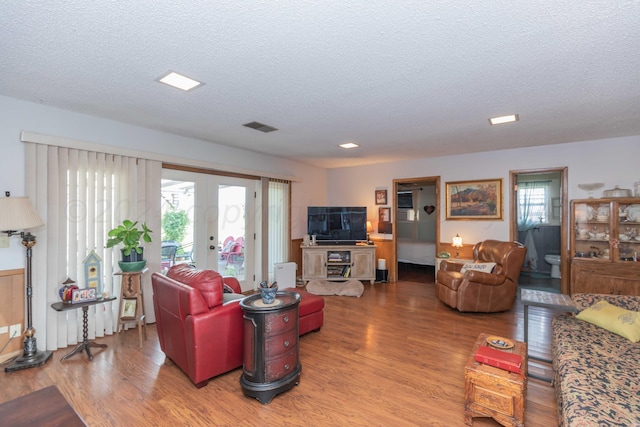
[{"x": 403, "y": 79}]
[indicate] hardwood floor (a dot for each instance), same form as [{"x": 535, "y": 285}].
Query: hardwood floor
[{"x": 394, "y": 356}]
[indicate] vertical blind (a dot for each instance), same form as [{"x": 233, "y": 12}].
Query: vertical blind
[
  {"x": 81, "y": 195},
  {"x": 278, "y": 224}
]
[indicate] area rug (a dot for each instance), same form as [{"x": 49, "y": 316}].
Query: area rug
[{"x": 350, "y": 288}]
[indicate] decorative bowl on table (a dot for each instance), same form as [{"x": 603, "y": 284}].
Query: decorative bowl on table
[
  {"x": 131, "y": 267},
  {"x": 499, "y": 342}
]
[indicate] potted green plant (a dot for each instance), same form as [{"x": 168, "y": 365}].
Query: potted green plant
[{"x": 130, "y": 236}]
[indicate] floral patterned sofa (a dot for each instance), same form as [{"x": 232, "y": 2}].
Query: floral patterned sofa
[{"x": 595, "y": 371}]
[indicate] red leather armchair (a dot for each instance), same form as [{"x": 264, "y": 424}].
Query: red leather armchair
[
  {"x": 478, "y": 291},
  {"x": 197, "y": 331}
]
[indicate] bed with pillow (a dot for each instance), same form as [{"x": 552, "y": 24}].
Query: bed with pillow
[
  {"x": 596, "y": 356},
  {"x": 417, "y": 252}
]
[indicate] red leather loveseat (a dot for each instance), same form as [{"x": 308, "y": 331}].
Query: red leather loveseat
[{"x": 200, "y": 332}]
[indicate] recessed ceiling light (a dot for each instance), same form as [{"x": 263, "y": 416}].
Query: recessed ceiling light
[
  {"x": 179, "y": 81},
  {"x": 348, "y": 145},
  {"x": 504, "y": 119}
]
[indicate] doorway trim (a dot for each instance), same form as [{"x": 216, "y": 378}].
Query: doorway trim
[{"x": 564, "y": 241}]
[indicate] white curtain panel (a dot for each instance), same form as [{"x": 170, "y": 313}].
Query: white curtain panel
[
  {"x": 278, "y": 223},
  {"x": 81, "y": 195}
]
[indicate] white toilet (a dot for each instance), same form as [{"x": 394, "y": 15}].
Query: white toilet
[{"x": 554, "y": 260}]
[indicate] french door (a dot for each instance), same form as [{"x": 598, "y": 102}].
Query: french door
[{"x": 220, "y": 227}]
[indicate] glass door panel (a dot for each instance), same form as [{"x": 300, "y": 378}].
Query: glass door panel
[
  {"x": 232, "y": 230},
  {"x": 214, "y": 209},
  {"x": 178, "y": 197}
]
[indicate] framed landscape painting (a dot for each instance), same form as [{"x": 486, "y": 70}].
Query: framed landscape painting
[{"x": 474, "y": 200}]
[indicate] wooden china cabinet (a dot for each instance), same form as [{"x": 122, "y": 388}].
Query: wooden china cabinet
[{"x": 605, "y": 246}]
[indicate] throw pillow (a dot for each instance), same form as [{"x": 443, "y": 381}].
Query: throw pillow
[
  {"x": 486, "y": 267},
  {"x": 625, "y": 323}
]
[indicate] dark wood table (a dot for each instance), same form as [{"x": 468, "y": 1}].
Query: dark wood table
[
  {"x": 44, "y": 408},
  {"x": 85, "y": 344},
  {"x": 270, "y": 363}
]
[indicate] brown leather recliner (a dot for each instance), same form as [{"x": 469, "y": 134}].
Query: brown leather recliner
[{"x": 478, "y": 291}]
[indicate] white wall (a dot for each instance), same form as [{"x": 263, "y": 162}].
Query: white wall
[
  {"x": 18, "y": 116},
  {"x": 610, "y": 161}
]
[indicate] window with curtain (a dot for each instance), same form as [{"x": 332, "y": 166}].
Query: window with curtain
[
  {"x": 533, "y": 209},
  {"x": 278, "y": 224},
  {"x": 533, "y": 204},
  {"x": 81, "y": 195}
]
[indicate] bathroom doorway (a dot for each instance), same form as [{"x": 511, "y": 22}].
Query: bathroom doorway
[{"x": 539, "y": 221}]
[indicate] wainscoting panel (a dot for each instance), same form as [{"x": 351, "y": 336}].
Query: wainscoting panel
[{"x": 12, "y": 310}]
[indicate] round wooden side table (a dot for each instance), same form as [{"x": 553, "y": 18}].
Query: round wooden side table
[{"x": 270, "y": 361}]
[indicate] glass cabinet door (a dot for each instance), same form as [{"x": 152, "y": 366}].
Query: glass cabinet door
[
  {"x": 606, "y": 229},
  {"x": 628, "y": 230},
  {"x": 593, "y": 225}
]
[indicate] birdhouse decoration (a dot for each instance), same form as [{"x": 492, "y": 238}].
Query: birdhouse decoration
[{"x": 93, "y": 272}]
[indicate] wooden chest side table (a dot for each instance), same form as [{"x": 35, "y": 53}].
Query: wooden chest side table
[
  {"x": 494, "y": 392},
  {"x": 270, "y": 362}
]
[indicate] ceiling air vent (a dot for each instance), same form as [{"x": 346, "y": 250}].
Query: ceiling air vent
[{"x": 260, "y": 126}]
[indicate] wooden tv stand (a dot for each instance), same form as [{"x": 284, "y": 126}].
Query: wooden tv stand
[{"x": 339, "y": 262}]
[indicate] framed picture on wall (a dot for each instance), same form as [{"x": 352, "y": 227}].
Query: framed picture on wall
[
  {"x": 381, "y": 197},
  {"x": 384, "y": 214},
  {"x": 474, "y": 200}
]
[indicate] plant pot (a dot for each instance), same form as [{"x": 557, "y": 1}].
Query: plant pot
[
  {"x": 128, "y": 267},
  {"x": 133, "y": 256}
]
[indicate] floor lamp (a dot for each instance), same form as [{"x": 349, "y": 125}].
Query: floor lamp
[{"x": 16, "y": 215}]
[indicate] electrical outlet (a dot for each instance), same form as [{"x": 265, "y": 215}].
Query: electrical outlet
[
  {"x": 4, "y": 329},
  {"x": 15, "y": 330}
]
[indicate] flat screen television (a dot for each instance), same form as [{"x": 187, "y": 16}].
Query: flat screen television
[{"x": 339, "y": 225}]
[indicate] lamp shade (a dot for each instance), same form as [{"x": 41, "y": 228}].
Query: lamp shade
[
  {"x": 457, "y": 241},
  {"x": 17, "y": 213},
  {"x": 369, "y": 227}
]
